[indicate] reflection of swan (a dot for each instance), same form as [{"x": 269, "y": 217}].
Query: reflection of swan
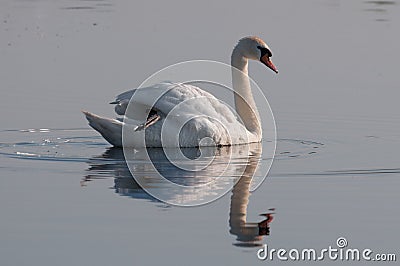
[
  {"x": 112, "y": 164},
  {"x": 206, "y": 121},
  {"x": 248, "y": 234},
  {"x": 146, "y": 164}
]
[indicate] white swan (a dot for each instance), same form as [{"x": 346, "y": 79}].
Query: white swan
[{"x": 206, "y": 121}]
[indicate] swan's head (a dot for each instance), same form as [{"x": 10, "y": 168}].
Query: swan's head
[{"x": 256, "y": 49}]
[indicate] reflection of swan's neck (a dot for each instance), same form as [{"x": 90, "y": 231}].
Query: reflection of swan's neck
[
  {"x": 246, "y": 232},
  {"x": 239, "y": 202},
  {"x": 240, "y": 198},
  {"x": 244, "y": 100}
]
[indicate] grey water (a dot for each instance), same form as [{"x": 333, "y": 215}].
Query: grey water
[{"x": 68, "y": 198}]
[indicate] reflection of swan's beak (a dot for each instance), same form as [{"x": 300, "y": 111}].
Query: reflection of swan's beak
[
  {"x": 264, "y": 225},
  {"x": 267, "y": 61}
]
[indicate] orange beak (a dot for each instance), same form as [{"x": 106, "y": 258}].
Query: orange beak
[{"x": 267, "y": 61}]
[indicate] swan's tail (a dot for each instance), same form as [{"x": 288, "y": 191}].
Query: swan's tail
[{"x": 110, "y": 129}]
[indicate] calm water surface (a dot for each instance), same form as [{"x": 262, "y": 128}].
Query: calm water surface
[{"x": 67, "y": 197}]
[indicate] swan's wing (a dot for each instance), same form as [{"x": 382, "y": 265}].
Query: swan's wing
[
  {"x": 121, "y": 101},
  {"x": 164, "y": 97},
  {"x": 182, "y": 102},
  {"x": 143, "y": 97},
  {"x": 123, "y": 96},
  {"x": 146, "y": 99}
]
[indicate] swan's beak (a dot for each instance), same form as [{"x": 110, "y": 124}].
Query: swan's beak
[{"x": 267, "y": 61}]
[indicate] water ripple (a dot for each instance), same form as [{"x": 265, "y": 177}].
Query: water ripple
[{"x": 79, "y": 144}]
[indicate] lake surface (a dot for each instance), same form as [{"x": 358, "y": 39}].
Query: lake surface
[{"x": 68, "y": 198}]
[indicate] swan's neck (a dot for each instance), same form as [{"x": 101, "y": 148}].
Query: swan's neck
[{"x": 244, "y": 101}]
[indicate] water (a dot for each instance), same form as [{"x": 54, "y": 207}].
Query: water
[{"x": 66, "y": 196}]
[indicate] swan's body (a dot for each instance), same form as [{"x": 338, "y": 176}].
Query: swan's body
[{"x": 205, "y": 120}]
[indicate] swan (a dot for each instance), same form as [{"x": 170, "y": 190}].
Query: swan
[{"x": 206, "y": 120}]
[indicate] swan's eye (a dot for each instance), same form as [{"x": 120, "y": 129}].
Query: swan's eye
[{"x": 264, "y": 51}]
